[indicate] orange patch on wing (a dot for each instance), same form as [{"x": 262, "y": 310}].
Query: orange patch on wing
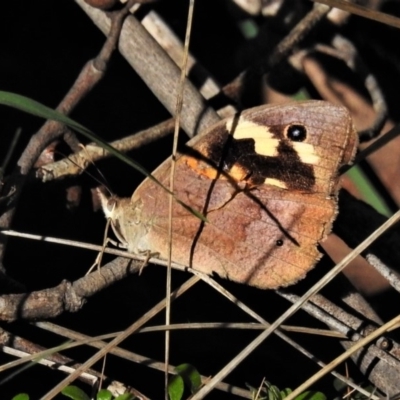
[
  {"x": 200, "y": 167},
  {"x": 237, "y": 172}
]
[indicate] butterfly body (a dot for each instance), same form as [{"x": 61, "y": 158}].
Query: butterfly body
[{"x": 266, "y": 182}]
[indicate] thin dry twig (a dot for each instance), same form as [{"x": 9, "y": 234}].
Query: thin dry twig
[
  {"x": 362, "y": 11},
  {"x": 391, "y": 276},
  {"x": 92, "y": 378},
  {"x": 130, "y": 356},
  {"x": 78, "y": 162},
  {"x": 380, "y": 363},
  {"x": 136, "y": 325},
  {"x": 282, "y": 51},
  {"x": 66, "y": 296},
  {"x": 288, "y": 45},
  {"x": 323, "y": 316},
  {"x": 354, "y": 61},
  {"x": 173, "y": 46},
  {"x": 90, "y": 75},
  {"x": 178, "y": 113},
  {"x": 157, "y": 70},
  {"x": 22, "y": 348},
  {"x": 277, "y": 332},
  {"x": 312, "y": 291},
  {"x": 329, "y": 367}
]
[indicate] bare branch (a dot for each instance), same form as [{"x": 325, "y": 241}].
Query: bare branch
[
  {"x": 90, "y": 75},
  {"x": 78, "y": 162},
  {"x": 19, "y": 347},
  {"x": 159, "y": 72},
  {"x": 66, "y": 296}
]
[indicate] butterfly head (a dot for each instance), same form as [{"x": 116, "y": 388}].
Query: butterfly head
[{"x": 126, "y": 221}]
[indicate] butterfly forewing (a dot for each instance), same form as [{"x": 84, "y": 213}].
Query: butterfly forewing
[{"x": 266, "y": 181}]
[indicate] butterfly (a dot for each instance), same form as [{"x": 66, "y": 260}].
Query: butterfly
[{"x": 266, "y": 180}]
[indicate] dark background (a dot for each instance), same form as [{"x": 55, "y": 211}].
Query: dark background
[{"x": 43, "y": 48}]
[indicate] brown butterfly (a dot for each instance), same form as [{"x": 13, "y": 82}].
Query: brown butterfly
[{"x": 266, "y": 181}]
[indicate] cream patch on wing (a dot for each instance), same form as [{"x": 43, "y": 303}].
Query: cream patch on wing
[
  {"x": 275, "y": 182},
  {"x": 306, "y": 152},
  {"x": 266, "y": 144}
]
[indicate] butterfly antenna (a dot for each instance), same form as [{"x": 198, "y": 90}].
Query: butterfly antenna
[{"x": 102, "y": 182}]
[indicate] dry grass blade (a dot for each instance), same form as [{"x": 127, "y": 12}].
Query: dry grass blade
[
  {"x": 278, "y": 332},
  {"x": 26, "y": 357},
  {"x": 178, "y": 112},
  {"x": 98, "y": 342},
  {"x": 362, "y": 11},
  {"x": 384, "y": 328},
  {"x": 151, "y": 313},
  {"x": 282, "y": 36}
]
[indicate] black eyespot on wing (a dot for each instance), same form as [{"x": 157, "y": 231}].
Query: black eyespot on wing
[
  {"x": 279, "y": 242},
  {"x": 296, "y": 133}
]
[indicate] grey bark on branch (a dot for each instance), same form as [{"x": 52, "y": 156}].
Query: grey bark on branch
[
  {"x": 67, "y": 296},
  {"x": 157, "y": 70},
  {"x": 76, "y": 163}
]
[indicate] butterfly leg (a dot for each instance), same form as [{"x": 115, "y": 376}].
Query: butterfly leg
[{"x": 148, "y": 255}]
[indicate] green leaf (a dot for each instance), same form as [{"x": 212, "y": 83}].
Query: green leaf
[
  {"x": 176, "y": 388},
  {"x": 368, "y": 191},
  {"x": 253, "y": 392},
  {"x": 339, "y": 385},
  {"x": 311, "y": 395},
  {"x": 249, "y": 28},
  {"x": 301, "y": 95},
  {"x": 285, "y": 392},
  {"x": 126, "y": 396},
  {"x": 190, "y": 376},
  {"x": 74, "y": 393},
  {"x": 21, "y": 396},
  {"x": 104, "y": 394},
  {"x": 274, "y": 393}
]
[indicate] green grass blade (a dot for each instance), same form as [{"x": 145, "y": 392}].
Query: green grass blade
[{"x": 33, "y": 107}]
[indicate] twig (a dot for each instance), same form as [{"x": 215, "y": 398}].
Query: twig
[
  {"x": 94, "y": 247},
  {"x": 172, "y": 45},
  {"x": 345, "y": 50},
  {"x": 66, "y": 296},
  {"x": 90, "y": 75},
  {"x": 277, "y": 332},
  {"x": 178, "y": 114},
  {"x": 147, "y": 316},
  {"x": 11, "y": 344},
  {"x": 359, "y": 345},
  {"x": 130, "y": 356},
  {"x": 323, "y": 316},
  {"x": 78, "y": 162},
  {"x": 380, "y": 363},
  {"x": 283, "y": 50},
  {"x": 362, "y": 11},
  {"x": 385, "y": 271},
  {"x": 288, "y": 45},
  {"x": 313, "y": 290},
  {"x": 25, "y": 349},
  {"x": 159, "y": 72}
]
